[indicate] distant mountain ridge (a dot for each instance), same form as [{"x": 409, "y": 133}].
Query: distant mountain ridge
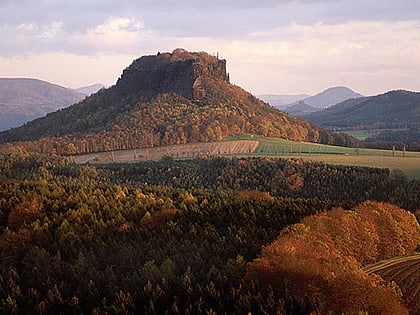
[
  {"x": 23, "y": 99},
  {"x": 388, "y": 109},
  {"x": 331, "y": 96},
  {"x": 394, "y": 116},
  {"x": 91, "y": 89},
  {"x": 300, "y": 105},
  {"x": 322, "y": 100},
  {"x": 280, "y": 101},
  {"x": 168, "y": 98}
]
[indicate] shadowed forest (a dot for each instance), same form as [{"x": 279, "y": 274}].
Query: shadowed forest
[{"x": 200, "y": 236}]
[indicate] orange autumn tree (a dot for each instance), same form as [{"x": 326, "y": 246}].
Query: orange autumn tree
[
  {"x": 398, "y": 230},
  {"x": 370, "y": 232},
  {"x": 319, "y": 261},
  {"x": 25, "y": 212},
  {"x": 353, "y": 236}
]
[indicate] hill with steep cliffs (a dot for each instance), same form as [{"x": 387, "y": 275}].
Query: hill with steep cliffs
[
  {"x": 168, "y": 98},
  {"x": 22, "y": 100}
]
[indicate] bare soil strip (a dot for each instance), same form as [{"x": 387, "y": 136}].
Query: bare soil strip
[
  {"x": 173, "y": 151},
  {"x": 405, "y": 272},
  {"x": 391, "y": 262}
]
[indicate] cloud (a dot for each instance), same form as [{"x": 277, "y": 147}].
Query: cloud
[
  {"x": 311, "y": 58},
  {"x": 115, "y": 35},
  {"x": 297, "y": 43},
  {"x": 205, "y": 18}
]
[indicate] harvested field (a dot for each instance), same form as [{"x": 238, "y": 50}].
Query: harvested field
[
  {"x": 405, "y": 272},
  {"x": 175, "y": 151}
]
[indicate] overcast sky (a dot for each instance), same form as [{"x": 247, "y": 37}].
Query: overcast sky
[{"x": 271, "y": 46}]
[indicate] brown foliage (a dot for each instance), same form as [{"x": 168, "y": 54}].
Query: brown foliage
[
  {"x": 12, "y": 239},
  {"x": 255, "y": 195},
  {"x": 320, "y": 259},
  {"x": 398, "y": 230},
  {"x": 352, "y": 235},
  {"x": 158, "y": 218},
  {"x": 25, "y": 212}
]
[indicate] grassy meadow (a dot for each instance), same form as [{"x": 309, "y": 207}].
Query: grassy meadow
[
  {"x": 249, "y": 145},
  {"x": 406, "y": 162}
]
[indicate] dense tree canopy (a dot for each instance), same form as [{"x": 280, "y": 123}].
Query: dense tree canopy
[
  {"x": 320, "y": 259},
  {"x": 172, "y": 237}
]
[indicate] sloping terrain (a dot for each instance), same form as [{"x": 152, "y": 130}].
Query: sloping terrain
[
  {"x": 390, "y": 110},
  {"x": 88, "y": 90},
  {"x": 390, "y": 120},
  {"x": 281, "y": 101},
  {"x": 405, "y": 272},
  {"x": 331, "y": 96},
  {"x": 301, "y": 109},
  {"x": 22, "y": 100},
  {"x": 171, "y": 98}
]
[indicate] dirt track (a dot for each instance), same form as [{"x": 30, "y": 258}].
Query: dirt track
[
  {"x": 405, "y": 272},
  {"x": 392, "y": 262},
  {"x": 175, "y": 151}
]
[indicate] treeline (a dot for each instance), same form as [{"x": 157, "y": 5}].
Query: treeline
[
  {"x": 407, "y": 138},
  {"x": 294, "y": 178},
  {"x": 72, "y": 244},
  {"x": 84, "y": 239}
]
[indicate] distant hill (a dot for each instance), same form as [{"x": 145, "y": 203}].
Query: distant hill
[
  {"x": 305, "y": 105},
  {"x": 301, "y": 108},
  {"x": 168, "y": 98},
  {"x": 394, "y": 115},
  {"x": 91, "y": 89},
  {"x": 331, "y": 97},
  {"x": 390, "y": 110},
  {"x": 22, "y": 100},
  {"x": 281, "y": 101}
]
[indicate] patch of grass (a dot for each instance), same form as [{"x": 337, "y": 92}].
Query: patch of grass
[
  {"x": 281, "y": 147},
  {"x": 408, "y": 162}
]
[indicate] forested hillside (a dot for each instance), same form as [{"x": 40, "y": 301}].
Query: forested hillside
[
  {"x": 132, "y": 238},
  {"x": 394, "y": 109},
  {"x": 170, "y": 98},
  {"x": 390, "y": 119}
]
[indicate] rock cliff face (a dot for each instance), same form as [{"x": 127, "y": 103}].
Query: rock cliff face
[{"x": 180, "y": 72}]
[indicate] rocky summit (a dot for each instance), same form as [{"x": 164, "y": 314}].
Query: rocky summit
[
  {"x": 168, "y": 98},
  {"x": 179, "y": 72}
]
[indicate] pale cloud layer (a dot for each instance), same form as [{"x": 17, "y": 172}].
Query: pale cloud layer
[{"x": 283, "y": 47}]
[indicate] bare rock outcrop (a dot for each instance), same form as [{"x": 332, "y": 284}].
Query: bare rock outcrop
[{"x": 180, "y": 72}]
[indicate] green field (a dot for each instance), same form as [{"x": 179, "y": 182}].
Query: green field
[
  {"x": 286, "y": 147},
  {"x": 406, "y": 162}
]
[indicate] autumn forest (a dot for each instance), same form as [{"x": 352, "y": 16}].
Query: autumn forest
[
  {"x": 200, "y": 236},
  {"x": 204, "y": 235}
]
